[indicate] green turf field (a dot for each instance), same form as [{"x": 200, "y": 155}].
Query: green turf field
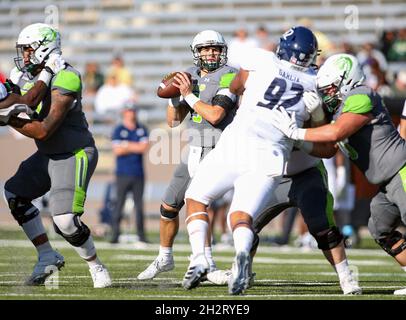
[{"x": 282, "y": 273}]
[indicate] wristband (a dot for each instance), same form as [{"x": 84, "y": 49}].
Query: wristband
[
  {"x": 45, "y": 77},
  {"x": 300, "y": 134},
  {"x": 191, "y": 100}
]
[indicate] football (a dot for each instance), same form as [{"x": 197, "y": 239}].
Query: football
[{"x": 166, "y": 88}]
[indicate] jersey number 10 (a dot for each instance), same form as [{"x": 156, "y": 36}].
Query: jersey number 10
[{"x": 275, "y": 92}]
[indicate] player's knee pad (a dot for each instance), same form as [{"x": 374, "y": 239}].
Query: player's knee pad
[
  {"x": 168, "y": 214},
  {"x": 21, "y": 208},
  {"x": 390, "y": 240},
  {"x": 328, "y": 239},
  {"x": 80, "y": 234}
]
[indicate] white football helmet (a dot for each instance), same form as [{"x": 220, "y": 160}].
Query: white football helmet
[
  {"x": 41, "y": 37},
  {"x": 209, "y": 38},
  {"x": 337, "y": 76}
]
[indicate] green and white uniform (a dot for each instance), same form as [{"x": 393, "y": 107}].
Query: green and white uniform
[
  {"x": 211, "y": 89},
  {"x": 380, "y": 153},
  {"x": 66, "y": 160}
]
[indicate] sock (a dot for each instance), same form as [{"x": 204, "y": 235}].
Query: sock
[
  {"x": 88, "y": 250},
  {"x": 44, "y": 248},
  {"x": 342, "y": 269},
  {"x": 165, "y": 252},
  {"x": 243, "y": 238},
  {"x": 209, "y": 257},
  {"x": 33, "y": 228},
  {"x": 197, "y": 230}
]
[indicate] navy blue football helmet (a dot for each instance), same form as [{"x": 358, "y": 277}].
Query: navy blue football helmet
[{"x": 298, "y": 46}]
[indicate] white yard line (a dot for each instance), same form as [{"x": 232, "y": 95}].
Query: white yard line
[{"x": 186, "y": 248}]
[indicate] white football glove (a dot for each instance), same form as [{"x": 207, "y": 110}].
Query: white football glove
[
  {"x": 55, "y": 63},
  {"x": 14, "y": 110},
  {"x": 314, "y": 103},
  {"x": 286, "y": 123}
]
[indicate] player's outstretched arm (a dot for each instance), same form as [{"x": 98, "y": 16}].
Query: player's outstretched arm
[
  {"x": 32, "y": 98},
  {"x": 346, "y": 125},
  {"x": 42, "y": 130}
]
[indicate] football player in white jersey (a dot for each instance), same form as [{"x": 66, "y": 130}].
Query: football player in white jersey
[{"x": 251, "y": 154}]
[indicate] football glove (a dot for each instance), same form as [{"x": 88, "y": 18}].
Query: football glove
[
  {"x": 313, "y": 103},
  {"x": 14, "y": 110},
  {"x": 286, "y": 123}
]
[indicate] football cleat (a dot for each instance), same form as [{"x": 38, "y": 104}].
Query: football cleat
[
  {"x": 47, "y": 264},
  {"x": 159, "y": 265},
  {"x": 222, "y": 277},
  {"x": 400, "y": 292},
  {"x": 100, "y": 276},
  {"x": 219, "y": 277},
  {"x": 349, "y": 285},
  {"x": 196, "y": 272},
  {"x": 240, "y": 278}
]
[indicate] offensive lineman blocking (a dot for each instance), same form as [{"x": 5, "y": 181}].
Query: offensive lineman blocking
[
  {"x": 65, "y": 160},
  {"x": 251, "y": 154},
  {"x": 366, "y": 134}
]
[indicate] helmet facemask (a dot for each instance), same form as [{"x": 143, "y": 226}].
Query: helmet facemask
[
  {"x": 331, "y": 94},
  {"x": 203, "y": 61},
  {"x": 33, "y": 64}
]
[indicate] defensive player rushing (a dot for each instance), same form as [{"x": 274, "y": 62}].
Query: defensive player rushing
[
  {"x": 305, "y": 186},
  {"x": 368, "y": 137},
  {"x": 251, "y": 154},
  {"x": 209, "y": 109},
  {"x": 66, "y": 156}
]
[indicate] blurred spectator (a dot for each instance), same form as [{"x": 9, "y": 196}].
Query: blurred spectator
[
  {"x": 348, "y": 48},
  {"x": 376, "y": 78},
  {"x": 119, "y": 70},
  {"x": 368, "y": 54},
  {"x": 399, "y": 86},
  {"x": 3, "y": 77},
  {"x": 112, "y": 95},
  {"x": 93, "y": 79},
  {"x": 130, "y": 142},
  {"x": 397, "y": 49},
  {"x": 238, "y": 45},
  {"x": 263, "y": 39}
]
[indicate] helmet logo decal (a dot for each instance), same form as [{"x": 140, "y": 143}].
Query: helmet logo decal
[
  {"x": 344, "y": 64},
  {"x": 48, "y": 34},
  {"x": 287, "y": 34}
]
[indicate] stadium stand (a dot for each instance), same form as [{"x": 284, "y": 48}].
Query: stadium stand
[{"x": 154, "y": 36}]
